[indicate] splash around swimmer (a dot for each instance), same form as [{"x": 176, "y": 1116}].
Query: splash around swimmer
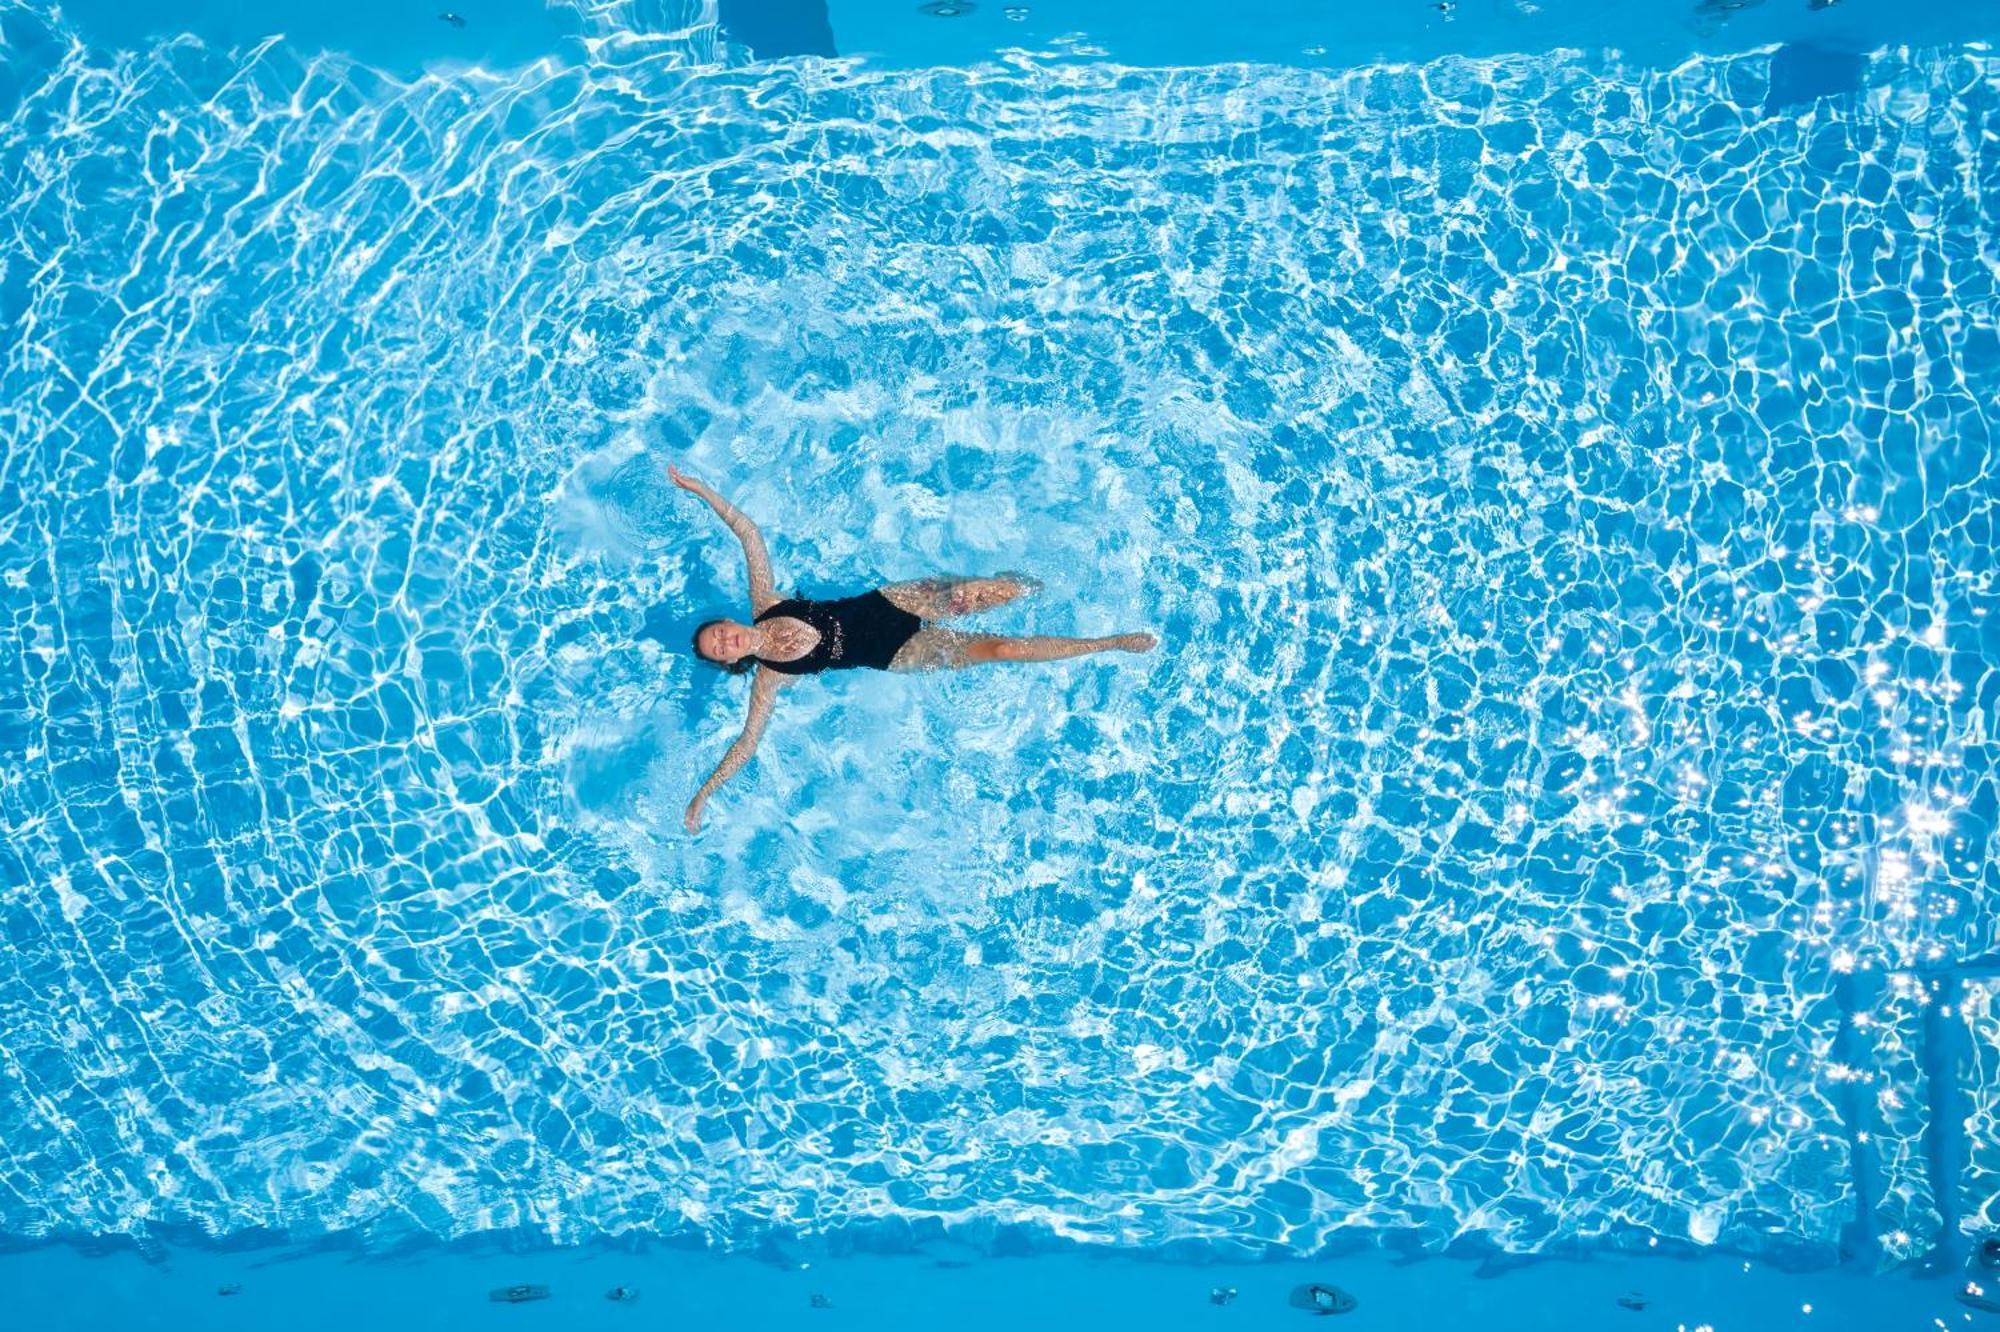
[{"x": 898, "y": 627}]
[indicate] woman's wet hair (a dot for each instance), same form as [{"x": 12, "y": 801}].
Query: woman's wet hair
[{"x": 737, "y": 667}]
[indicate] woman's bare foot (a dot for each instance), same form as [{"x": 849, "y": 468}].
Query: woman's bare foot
[{"x": 1135, "y": 642}]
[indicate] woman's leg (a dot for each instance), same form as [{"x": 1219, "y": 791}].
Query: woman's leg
[
  {"x": 949, "y": 650},
  {"x": 945, "y": 597}
]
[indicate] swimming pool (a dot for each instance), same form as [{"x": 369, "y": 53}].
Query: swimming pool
[{"x": 1560, "y": 820}]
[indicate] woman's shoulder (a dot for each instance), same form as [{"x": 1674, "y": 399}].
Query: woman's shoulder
[{"x": 783, "y": 606}]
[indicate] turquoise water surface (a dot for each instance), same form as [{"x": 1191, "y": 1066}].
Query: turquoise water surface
[{"x": 1560, "y": 817}]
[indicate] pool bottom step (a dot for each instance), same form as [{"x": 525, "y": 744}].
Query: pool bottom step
[{"x": 335, "y": 1289}]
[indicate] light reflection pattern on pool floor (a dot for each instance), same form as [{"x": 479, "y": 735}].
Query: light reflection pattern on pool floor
[{"x": 1567, "y": 495}]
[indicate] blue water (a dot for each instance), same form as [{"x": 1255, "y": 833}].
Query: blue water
[{"x": 1561, "y": 813}]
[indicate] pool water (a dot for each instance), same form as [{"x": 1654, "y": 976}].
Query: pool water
[{"x": 1560, "y": 817}]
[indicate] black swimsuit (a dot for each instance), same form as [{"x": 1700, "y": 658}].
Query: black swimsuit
[{"x": 854, "y": 632}]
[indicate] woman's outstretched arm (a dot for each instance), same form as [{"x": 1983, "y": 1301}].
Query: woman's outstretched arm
[
  {"x": 763, "y": 694},
  {"x": 763, "y": 592}
]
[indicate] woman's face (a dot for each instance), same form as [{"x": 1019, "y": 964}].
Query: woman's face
[{"x": 725, "y": 641}]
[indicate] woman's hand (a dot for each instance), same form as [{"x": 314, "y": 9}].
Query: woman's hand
[
  {"x": 685, "y": 482},
  {"x": 693, "y": 820}
]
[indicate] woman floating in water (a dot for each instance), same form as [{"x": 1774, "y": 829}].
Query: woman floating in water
[{"x": 895, "y": 628}]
